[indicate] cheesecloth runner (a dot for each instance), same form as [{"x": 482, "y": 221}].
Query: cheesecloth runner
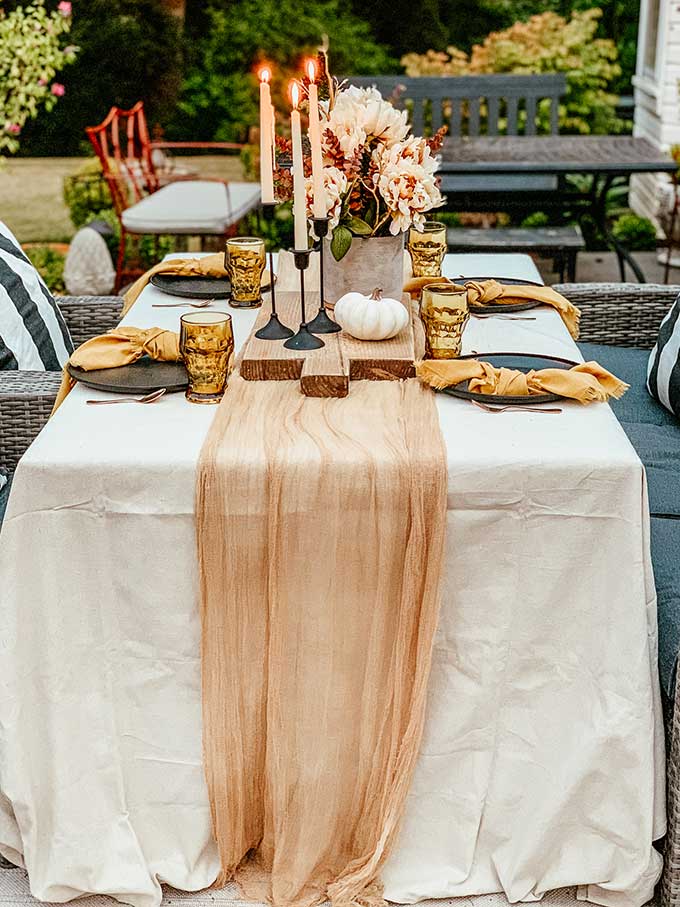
[{"x": 320, "y": 529}]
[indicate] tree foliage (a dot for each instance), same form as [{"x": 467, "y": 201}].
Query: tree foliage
[
  {"x": 546, "y": 43},
  {"x": 219, "y": 98},
  {"x": 129, "y": 49},
  {"x": 32, "y": 52},
  {"x": 438, "y": 24}
]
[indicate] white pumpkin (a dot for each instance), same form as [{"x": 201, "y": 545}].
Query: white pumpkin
[{"x": 371, "y": 317}]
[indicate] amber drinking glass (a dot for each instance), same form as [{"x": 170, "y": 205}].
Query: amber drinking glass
[
  {"x": 444, "y": 313},
  {"x": 244, "y": 261},
  {"x": 206, "y": 343},
  {"x": 427, "y": 248}
]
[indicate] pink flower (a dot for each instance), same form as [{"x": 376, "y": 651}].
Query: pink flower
[
  {"x": 58, "y": 89},
  {"x": 65, "y": 8},
  {"x": 13, "y": 128},
  {"x": 42, "y": 81}
]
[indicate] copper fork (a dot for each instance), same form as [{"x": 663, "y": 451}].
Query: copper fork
[
  {"x": 523, "y": 409},
  {"x": 199, "y": 304},
  {"x": 147, "y": 398}
]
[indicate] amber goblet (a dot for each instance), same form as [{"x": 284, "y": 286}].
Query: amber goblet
[
  {"x": 206, "y": 343},
  {"x": 244, "y": 262},
  {"x": 427, "y": 248},
  {"x": 444, "y": 313}
]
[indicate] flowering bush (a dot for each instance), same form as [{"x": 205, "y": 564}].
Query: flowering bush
[
  {"x": 30, "y": 56},
  {"x": 545, "y": 43},
  {"x": 378, "y": 178}
]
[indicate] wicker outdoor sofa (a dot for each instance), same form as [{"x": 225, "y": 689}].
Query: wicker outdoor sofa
[{"x": 615, "y": 315}]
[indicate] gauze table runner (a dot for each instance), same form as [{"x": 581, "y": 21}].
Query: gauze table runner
[
  {"x": 542, "y": 759},
  {"x": 320, "y": 527}
]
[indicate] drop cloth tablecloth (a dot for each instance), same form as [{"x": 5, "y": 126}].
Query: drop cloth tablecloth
[{"x": 542, "y": 760}]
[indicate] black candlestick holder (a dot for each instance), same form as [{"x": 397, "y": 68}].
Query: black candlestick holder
[
  {"x": 273, "y": 329},
  {"x": 303, "y": 340},
  {"x": 321, "y": 323}
]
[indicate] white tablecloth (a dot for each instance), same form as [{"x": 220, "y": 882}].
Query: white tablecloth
[{"x": 542, "y": 760}]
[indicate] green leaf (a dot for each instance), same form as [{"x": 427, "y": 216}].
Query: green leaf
[
  {"x": 342, "y": 240},
  {"x": 359, "y": 227}
]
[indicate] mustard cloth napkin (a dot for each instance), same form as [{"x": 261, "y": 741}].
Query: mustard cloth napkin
[
  {"x": 121, "y": 346},
  {"x": 207, "y": 266},
  {"x": 490, "y": 291},
  {"x": 587, "y": 383}
]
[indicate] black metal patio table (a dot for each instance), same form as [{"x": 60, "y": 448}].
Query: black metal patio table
[{"x": 603, "y": 158}]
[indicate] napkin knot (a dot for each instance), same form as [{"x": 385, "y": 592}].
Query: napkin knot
[{"x": 483, "y": 293}]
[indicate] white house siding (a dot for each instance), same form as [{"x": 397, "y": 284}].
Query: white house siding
[{"x": 657, "y": 101}]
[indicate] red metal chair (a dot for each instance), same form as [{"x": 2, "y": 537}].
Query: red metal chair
[{"x": 169, "y": 203}]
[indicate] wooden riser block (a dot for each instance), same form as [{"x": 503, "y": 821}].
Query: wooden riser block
[{"x": 325, "y": 372}]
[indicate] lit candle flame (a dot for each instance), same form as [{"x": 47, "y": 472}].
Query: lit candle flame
[
  {"x": 311, "y": 70},
  {"x": 265, "y": 75},
  {"x": 295, "y": 94}
]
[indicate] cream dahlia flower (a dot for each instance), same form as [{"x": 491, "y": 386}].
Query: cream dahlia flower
[
  {"x": 405, "y": 178},
  {"x": 360, "y": 115},
  {"x": 335, "y": 184}
]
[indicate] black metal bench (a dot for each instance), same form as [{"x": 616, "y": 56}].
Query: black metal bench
[{"x": 562, "y": 243}]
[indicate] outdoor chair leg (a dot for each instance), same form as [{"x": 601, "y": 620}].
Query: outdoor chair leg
[
  {"x": 671, "y": 231},
  {"x": 571, "y": 267},
  {"x": 669, "y": 887},
  {"x": 121, "y": 261}
]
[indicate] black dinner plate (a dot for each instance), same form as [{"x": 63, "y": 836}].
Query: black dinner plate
[
  {"x": 192, "y": 287},
  {"x": 523, "y": 362},
  {"x": 141, "y": 377},
  {"x": 195, "y": 287},
  {"x": 492, "y": 308}
]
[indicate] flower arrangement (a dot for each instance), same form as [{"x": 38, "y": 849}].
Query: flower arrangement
[
  {"x": 31, "y": 54},
  {"x": 379, "y": 179}
]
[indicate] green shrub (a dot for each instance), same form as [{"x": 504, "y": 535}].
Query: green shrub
[
  {"x": 129, "y": 50},
  {"x": 32, "y": 52},
  {"x": 535, "y": 219},
  {"x": 50, "y": 265},
  {"x": 635, "y": 233},
  {"x": 545, "y": 43},
  {"x": 277, "y": 231},
  {"x": 450, "y": 218},
  {"x": 86, "y": 193},
  {"x": 219, "y": 97}
]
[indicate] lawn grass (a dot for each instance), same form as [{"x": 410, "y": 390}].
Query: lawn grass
[{"x": 31, "y": 202}]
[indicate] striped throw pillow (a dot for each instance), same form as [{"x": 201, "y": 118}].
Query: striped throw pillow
[
  {"x": 663, "y": 371},
  {"x": 33, "y": 333}
]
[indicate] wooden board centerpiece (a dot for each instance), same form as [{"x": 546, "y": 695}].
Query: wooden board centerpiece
[{"x": 326, "y": 372}]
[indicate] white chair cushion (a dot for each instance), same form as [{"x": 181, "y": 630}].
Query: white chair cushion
[{"x": 192, "y": 206}]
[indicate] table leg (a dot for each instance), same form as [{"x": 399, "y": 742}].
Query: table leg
[
  {"x": 571, "y": 266},
  {"x": 671, "y": 230},
  {"x": 599, "y": 211}
]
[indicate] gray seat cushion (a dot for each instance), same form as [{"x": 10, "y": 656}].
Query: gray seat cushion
[
  {"x": 630, "y": 365},
  {"x": 655, "y": 434},
  {"x": 665, "y": 548}
]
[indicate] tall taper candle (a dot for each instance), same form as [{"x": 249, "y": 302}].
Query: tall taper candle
[
  {"x": 266, "y": 139},
  {"x": 319, "y": 204},
  {"x": 299, "y": 193}
]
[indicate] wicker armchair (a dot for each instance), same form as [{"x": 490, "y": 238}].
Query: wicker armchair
[
  {"x": 26, "y": 398},
  {"x": 629, "y": 315}
]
